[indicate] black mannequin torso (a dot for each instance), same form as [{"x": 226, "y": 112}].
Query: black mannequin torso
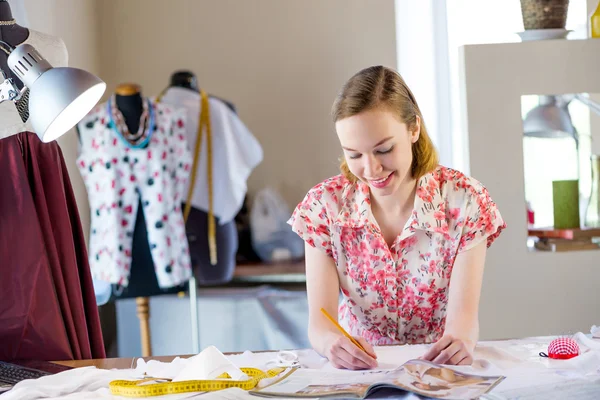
[
  {"x": 11, "y": 34},
  {"x": 131, "y": 107}
]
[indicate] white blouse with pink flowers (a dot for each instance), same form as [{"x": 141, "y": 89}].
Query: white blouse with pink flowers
[{"x": 397, "y": 294}]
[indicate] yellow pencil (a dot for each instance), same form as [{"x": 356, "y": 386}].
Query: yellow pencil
[{"x": 343, "y": 330}]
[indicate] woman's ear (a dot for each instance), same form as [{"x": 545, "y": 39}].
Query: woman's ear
[{"x": 415, "y": 131}]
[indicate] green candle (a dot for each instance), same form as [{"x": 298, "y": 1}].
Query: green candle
[{"x": 566, "y": 204}]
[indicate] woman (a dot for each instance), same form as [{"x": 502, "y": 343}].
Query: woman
[{"x": 401, "y": 237}]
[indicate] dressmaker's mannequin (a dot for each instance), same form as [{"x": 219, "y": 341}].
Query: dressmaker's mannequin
[
  {"x": 245, "y": 252},
  {"x": 37, "y": 206},
  {"x": 51, "y": 48},
  {"x": 12, "y": 34},
  {"x": 198, "y": 220},
  {"x": 142, "y": 282}
]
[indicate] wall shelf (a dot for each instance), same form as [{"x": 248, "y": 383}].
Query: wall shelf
[{"x": 545, "y": 287}]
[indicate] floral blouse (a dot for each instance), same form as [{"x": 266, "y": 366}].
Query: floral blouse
[
  {"x": 397, "y": 294},
  {"x": 117, "y": 176}
]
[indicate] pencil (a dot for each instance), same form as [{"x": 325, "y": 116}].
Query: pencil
[{"x": 343, "y": 330}]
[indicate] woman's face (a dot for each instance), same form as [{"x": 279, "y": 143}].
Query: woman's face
[{"x": 378, "y": 148}]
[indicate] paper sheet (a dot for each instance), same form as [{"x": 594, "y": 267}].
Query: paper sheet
[{"x": 574, "y": 390}]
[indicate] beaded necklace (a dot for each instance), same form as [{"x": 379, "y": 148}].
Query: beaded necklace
[{"x": 145, "y": 129}]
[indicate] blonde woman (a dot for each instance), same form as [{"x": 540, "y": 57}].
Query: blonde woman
[{"x": 402, "y": 238}]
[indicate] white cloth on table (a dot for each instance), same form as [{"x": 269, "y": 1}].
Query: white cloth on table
[{"x": 80, "y": 383}]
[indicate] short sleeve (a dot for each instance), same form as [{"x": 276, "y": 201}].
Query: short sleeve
[
  {"x": 311, "y": 222},
  {"x": 482, "y": 219}
]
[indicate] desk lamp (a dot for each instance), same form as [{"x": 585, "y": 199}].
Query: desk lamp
[
  {"x": 551, "y": 118},
  {"x": 59, "y": 97}
]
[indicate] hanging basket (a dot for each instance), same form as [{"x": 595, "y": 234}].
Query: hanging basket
[{"x": 544, "y": 14}]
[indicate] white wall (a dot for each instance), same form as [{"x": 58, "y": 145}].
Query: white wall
[
  {"x": 525, "y": 293},
  {"x": 76, "y": 23},
  {"x": 280, "y": 62}
]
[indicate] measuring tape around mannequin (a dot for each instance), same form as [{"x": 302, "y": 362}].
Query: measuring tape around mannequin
[
  {"x": 203, "y": 122},
  {"x": 141, "y": 388}
]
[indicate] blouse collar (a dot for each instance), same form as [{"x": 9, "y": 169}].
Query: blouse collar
[{"x": 429, "y": 210}]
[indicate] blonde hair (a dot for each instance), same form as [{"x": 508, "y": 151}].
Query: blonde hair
[{"x": 380, "y": 86}]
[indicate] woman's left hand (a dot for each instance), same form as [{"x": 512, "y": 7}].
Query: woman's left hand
[{"x": 451, "y": 350}]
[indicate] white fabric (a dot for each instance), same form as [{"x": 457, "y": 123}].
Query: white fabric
[
  {"x": 235, "y": 151},
  {"x": 76, "y": 384},
  {"x": 209, "y": 364},
  {"x": 518, "y": 360},
  {"x": 52, "y": 49}
]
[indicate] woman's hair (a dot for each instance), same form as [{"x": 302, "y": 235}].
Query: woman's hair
[{"x": 383, "y": 87}]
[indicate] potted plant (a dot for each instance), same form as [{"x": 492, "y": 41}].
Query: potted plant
[{"x": 544, "y": 14}]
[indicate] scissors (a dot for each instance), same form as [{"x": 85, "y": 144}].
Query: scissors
[{"x": 286, "y": 359}]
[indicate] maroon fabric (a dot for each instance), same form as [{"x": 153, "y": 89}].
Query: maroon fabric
[{"x": 48, "y": 308}]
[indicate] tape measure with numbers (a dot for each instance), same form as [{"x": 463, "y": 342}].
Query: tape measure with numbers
[{"x": 141, "y": 388}]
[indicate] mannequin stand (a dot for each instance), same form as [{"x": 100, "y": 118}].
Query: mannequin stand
[
  {"x": 194, "y": 317},
  {"x": 143, "y": 313}
]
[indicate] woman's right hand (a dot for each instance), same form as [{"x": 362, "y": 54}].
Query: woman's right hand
[{"x": 344, "y": 354}]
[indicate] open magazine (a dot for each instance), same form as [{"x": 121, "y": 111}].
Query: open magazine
[{"x": 416, "y": 376}]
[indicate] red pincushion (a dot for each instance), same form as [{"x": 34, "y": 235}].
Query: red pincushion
[{"x": 563, "y": 349}]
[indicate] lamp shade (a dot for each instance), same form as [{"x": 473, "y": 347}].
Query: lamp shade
[
  {"x": 59, "y": 97},
  {"x": 548, "y": 120}
]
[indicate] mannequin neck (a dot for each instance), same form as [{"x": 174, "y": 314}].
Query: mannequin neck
[
  {"x": 131, "y": 107},
  {"x": 12, "y": 34},
  {"x": 186, "y": 80},
  {"x": 5, "y": 11}
]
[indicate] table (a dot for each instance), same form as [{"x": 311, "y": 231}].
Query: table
[
  {"x": 118, "y": 363},
  {"x": 277, "y": 272},
  {"x": 528, "y": 375}
]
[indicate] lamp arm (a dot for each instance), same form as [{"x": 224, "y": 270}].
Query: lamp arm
[
  {"x": 11, "y": 48},
  {"x": 8, "y": 89},
  {"x": 588, "y": 102}
]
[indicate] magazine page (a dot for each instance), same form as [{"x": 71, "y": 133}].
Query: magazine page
[
  {"x": 438, "y": 381},
  {"x": 416, "y": 376},
  {"x": 312, "y": 383}
]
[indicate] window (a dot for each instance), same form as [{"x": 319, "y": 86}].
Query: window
[{"x": 429, "y": 34}]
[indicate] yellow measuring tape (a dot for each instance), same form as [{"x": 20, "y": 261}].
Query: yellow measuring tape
[
  {"x": 141, "y": 388},
  {"x": 203, "y": 122}
]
